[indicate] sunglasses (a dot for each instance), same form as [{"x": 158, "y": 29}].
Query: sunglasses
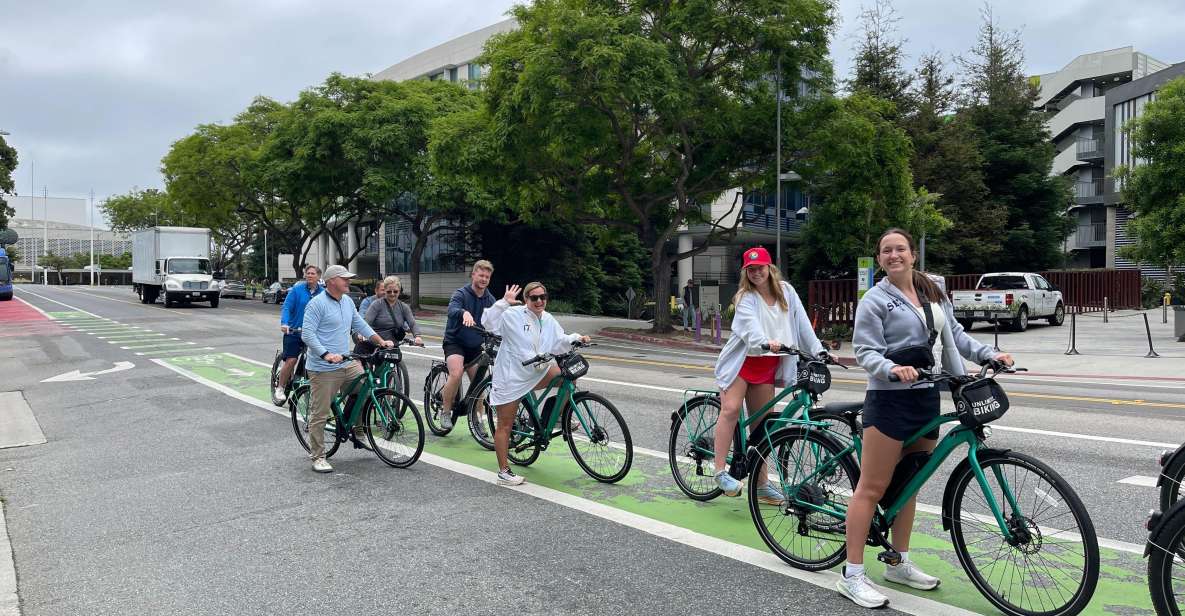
[
  {"x": 538, "y": 298},
  {"x": 393, "y": 292}
]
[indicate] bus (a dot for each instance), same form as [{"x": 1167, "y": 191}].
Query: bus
[{"x": 5, "y": 276}]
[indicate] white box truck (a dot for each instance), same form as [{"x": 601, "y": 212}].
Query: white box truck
[{"x": 173, "y": 263}]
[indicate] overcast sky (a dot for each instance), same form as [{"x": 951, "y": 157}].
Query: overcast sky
[{"x": 94, "y": 93}]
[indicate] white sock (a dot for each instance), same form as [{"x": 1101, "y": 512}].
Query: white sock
[
  {"x": 904, "y": 556},
  {"x": 851, "y": 571}
]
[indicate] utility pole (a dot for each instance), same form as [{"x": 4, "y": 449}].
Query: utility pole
[
  {"x": 33, "y": 216},
  {"x": 45, "y": 246},
  {"x": 265, "y": 255},
  {"x": 92, "y": 237}
]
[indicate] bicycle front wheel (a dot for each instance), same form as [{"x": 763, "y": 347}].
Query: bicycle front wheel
[
  {"x": 277, "y": 365},
  {"x": 524, "y": 442},
  {"x": 691, "y": 448},
  {"x": 1166, "y": 563},
  {"x": 394, "y": 428},
  {"x": 481, "y": 417},
  {"x": 433, "y": 400},
  {"x": 1170, "y": 487},
  {"x": 812, "y": 471},
  {"x": 299, "y": 406},
  {"x": 598, "y": 437},
  {"x": 1052, "y": 565}
]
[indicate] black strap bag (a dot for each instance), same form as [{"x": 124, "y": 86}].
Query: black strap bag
[
  {"x": 397, "y": 333},
  {"x": 814, "y": 377},
  {"x": 980, "y": 402},
  {"x": 918, "y": 356},
  {"x": 573, "y": 366}
]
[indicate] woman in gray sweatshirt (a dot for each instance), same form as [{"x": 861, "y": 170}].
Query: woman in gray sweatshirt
[{"x": 891, "y": 317}]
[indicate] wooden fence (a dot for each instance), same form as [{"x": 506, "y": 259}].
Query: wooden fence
[{"x": 834, "y": 301}]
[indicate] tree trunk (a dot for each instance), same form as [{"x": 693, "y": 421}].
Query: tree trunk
[
  {"x": 414, "y": 268},
  {"x": 661, "y": 281}
]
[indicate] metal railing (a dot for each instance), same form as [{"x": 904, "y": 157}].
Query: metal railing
[
  {"x": 1086, "y": 190},
  {"x": 766, "y": 221},
  {"x": 1094, "y": 234},
  {"x": 1090, "y": 148}
]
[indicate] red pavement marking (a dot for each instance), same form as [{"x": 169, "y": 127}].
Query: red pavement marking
[{"x": 17, "y": 318}]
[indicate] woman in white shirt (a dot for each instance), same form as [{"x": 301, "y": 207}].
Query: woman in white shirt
[
  {"x": 527, "y": 331},
  {"x": 768, "y": 311}
]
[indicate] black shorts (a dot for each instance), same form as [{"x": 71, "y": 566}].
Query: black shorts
[
  {"x": 469, "y": 353},
  {"x": 900, "y": 413}
]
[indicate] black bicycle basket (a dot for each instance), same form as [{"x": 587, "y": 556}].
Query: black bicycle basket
[
  {"x": 393, "y": 354},
  {"x": 980, "y": 402},
  {"x": 814, "y": 377},
  {"x": 573, "y": 366}
]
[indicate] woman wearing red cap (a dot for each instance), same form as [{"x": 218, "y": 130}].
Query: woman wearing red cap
[{"x": 768, "y": 311}]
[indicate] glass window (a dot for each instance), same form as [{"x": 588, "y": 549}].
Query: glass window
[
  {"x": 189, "y": 266},
  {"x": 1001, "y": 283}
]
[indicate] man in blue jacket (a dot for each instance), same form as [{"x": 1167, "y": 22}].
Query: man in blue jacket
[
  {"x": 462, "y": 343},
  {"x": 291, "y": 318}
]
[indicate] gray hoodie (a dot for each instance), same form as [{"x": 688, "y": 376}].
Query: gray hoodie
[{"x": 886, "y": 321}]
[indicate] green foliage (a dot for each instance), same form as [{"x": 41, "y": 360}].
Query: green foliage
[
  {"x": 8, "y": 162},
  {"x": 140, "y": 209},
  {"x": 879, "y": 56},
  {"x": 1155, "y": 189},
  {"x": 14, "y": 253},
  {"x": 115, "y": 262}
]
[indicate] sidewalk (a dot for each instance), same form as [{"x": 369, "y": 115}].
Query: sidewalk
[{"x": 1113, "y": 350}]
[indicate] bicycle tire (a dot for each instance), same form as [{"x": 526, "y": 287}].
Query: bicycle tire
[
  {"x": 804, "y": 539},
  {"x": 433, "y": 403},
  {"x": 1040, "y": 536},
  {"x": 394, "y": 416},
  {"x": 1166, "y": 549},
  {"x": 298, "y": 409},
  {"x": 481, "y": 416},
  {"x": 690, "y": 453},
  {"x": 594, "y": 437},
  {"x": 526, "y": 428},
  {"x": 404, "y": 380},
  {"x": 277, "y": 365},
  {"x": 1171, "y": 477}
]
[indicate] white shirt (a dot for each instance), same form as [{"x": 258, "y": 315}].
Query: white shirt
[
  {"x": 524, "y": 336},
  {"x": 776, "y": 324},
  {"x": 939, "y": 324},
  {"x": 748, "y": 335}
]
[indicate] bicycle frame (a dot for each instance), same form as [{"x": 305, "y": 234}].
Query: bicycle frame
[
  {"x": 797, "y": 410},
  {"x": 364, "y": 384},
  {"x": 565, "y": 391}
]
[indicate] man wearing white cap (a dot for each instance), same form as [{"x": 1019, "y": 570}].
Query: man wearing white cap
[{"x": 328, "y": 320}]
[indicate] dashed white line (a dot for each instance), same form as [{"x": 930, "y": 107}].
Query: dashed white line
[{"x": 1139, "y": 480}]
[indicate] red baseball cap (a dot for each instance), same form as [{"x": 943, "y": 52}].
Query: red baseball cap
[{"x": 756, "y": 256}]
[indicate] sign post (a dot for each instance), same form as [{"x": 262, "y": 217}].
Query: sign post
[{"x": 864, "y": 271}]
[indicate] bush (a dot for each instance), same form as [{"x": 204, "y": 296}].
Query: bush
[
  {"x": 837, "y": 331},
  {"x": 559, "y": 306},
  {"x": 1151, "y": 293}
]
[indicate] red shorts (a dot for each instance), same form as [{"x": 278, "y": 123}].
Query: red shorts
[{"x": 760, "y": 370}]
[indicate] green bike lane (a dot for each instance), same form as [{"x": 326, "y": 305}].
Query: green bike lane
[{"x": 650, "y": 492}]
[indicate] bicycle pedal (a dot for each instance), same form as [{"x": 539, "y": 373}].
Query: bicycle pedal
[{"x": 890, "y": 557}]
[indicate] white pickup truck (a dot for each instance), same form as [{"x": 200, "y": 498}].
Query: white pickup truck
[{"x": 1011, "y": 297}]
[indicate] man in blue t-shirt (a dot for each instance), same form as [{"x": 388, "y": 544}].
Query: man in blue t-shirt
[
  {"x": 462, "y": 343},
  {"x": 291, "y": 318}
]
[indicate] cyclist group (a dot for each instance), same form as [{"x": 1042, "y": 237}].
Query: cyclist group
[{"x": 898, "y": 323}]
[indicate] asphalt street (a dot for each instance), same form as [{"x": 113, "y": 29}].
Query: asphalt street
[{"x": 158, "y": 494}]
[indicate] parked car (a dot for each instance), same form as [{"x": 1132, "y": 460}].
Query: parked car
[
  {"x": 277, "y": 292},
  {"x": 357, "y": 294},
  {"x": 234, "y": 288},
  {"x": 1014, "y": 298}
]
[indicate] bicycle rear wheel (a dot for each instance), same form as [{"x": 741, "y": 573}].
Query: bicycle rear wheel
[
  {"x": 394, "y": 428},
  {"x": 598, "y": 437},
  {"x": 298, "y": 407},
  {"x": 433, "y": 400},
  {"x": 1173, "y": 474},
  {"x": 1166, "y": 563},
  {"x": 812, "y": 470},
  {"x": 691, "y": 448},
  {"x": 277, "y": 364},
  {"x": 1053, "y": 567},
  {"x": 481, "y": 416}
]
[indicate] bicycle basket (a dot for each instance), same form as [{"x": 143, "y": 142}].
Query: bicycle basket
[
  {"x": 573, "y": 366},
  {"x": 814, "y": 377},
  {"x": 392, "y": 354},
  {"x": 980, "y": 402}
]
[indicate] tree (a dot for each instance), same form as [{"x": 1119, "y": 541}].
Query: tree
[
  {"x": 8, "y": 161},
  {"x": 58, "y": 262},
  {"x": 878, "y": 66},
  {"x": 115, "y": 262},
  {"x": 1154, "y": 189},
  {"x": 14, "y": 252},
  {"x": 637, "y": 115},
  {"x": 1017, "y": 154},
  {"x": 140, "y": 209}
]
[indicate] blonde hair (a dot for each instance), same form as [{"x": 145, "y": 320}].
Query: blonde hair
[
  {"x": 531, "y": 286},
  {"x": 392, "y": 280},
  {"x": 482, "y": 264},
  {"x": 775, "y": 286}
]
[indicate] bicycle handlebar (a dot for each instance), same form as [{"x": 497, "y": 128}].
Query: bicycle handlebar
[
  {"x": 994, "y": 366},
  {"x": 824, "y": 356},
  {"x": 538, "y": 359}
]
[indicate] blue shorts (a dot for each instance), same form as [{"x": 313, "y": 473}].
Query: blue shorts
[
  {"x": 900, "y": 413},
  {"x": 293, "y": 346}
]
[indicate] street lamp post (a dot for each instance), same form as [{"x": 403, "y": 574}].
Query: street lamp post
[
  {"x": 778, "y": 171},
  {"x": 45, "y": 240},
  {"x": 92, "y": 212}
]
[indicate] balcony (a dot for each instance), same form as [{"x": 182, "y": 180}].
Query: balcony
[
  {"x": 1081, "y": 111},
  {"x": 1093, "y": 235},
  {"x": 754, "y": 220},
  {"x": 1090, "y": 150},
  {"x": 1088, "y": 192}
]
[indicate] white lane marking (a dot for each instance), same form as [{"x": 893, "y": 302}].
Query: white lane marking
[
  {"x": 75, "y": 308},
  {"x": 137, "y": 303},
  {"x": 180, "y": 343},
  {"x": 900, "y": 601},
  {"x": 1139, "y": 480},
  {"x": 185, "y": 349},
  {"x": 78, "y": 375},
  {"x": 130, "y": 336}
]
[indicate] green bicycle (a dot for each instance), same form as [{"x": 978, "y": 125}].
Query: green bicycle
[
  {"x": 691, "y": 446},
  {"x": 390, "y": 420},
  {"x": 1021, "y": 534},
  {"x": 594, "y": 429}
]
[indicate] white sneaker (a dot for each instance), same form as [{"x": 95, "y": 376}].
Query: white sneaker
[
  {"x": 912, "y": 576},
  {"x": 506, "y": 477},
  {"x": 861, "y": 591},
  {"x": 321, "y": 465},
  {"x": 446, "y": 420},
  {"x": 280, "y": 395}
]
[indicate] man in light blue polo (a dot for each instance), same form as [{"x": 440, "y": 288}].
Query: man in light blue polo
[{"x": 328, "y": 319}]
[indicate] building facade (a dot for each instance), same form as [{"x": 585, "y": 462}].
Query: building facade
[
  {"x": 1076, "y": 99},
  {"x": 65, "y": 239}
]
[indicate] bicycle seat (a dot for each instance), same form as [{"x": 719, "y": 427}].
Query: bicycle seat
[{"x": 849, "y": 409}]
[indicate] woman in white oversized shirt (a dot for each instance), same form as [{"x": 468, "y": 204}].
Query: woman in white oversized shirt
[
  {"x": 527, "y": 331},
  {"x": 768, "y": 311}
]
